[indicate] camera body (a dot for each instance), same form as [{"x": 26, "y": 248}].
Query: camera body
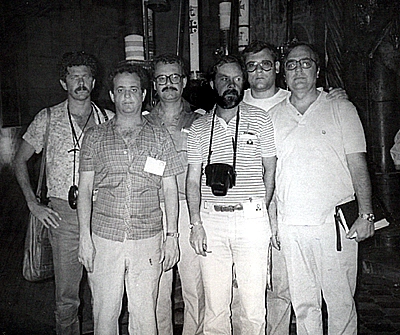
[
  {"x": 73, "y": 196},
  {"x": 220, "y": 177}
]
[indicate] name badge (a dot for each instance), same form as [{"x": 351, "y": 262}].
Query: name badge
[
  {"x": 154, "y": 166},
  {"x": 253, "y": 209}
]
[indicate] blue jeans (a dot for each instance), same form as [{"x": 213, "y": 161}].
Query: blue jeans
[
  {"x": 235, "y": 238},
  {"x": 67, "y": 270}
]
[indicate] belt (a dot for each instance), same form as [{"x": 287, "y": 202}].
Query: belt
[{"x": 228, "y": 208}]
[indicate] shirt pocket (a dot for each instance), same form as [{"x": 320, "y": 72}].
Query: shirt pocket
[{"x": 248, "y": 144}]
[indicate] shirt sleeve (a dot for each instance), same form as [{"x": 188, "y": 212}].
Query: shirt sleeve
[
  {"x": 34, "y": 135},
  {"x": 395, "y": 150},
  {"x": 86, "y": 156},
  {"x": 173, "y": 163},
  {"x": 268, "y": 148},
  {"x": 193, "y": 144},
  {"x": 352, "y": 129}
]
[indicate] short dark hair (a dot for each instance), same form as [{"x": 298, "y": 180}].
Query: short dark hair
[
  {"x": 129, "y": 67},
  {"x": 228, "y": 59},
  {"x": 257, "y": 46},
  {"x": 169, "y": 58},
  {"x": 291, "y": 46},
  {"x": 76, "y": 58}
]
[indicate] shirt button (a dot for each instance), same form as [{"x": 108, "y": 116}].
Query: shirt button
[{"x": 125, "y": 152}]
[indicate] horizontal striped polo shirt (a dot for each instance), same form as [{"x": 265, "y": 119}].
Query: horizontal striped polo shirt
[{"x": 255, "y": 141}]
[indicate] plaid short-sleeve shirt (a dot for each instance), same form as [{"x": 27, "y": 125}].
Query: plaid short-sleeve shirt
[{"x": 126, "y": 203}]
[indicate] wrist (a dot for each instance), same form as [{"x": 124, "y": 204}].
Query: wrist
[
  {"x": 174, "y": 235},
  {"x": 195, "y": 224},
  {"x": 367, "y": 216}
]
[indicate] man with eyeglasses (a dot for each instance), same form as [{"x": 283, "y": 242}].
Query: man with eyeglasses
[
  {"x": 321, "y": 164},
  {"x": 177, "y": 115},
  {"x": 262, "y": 66}
]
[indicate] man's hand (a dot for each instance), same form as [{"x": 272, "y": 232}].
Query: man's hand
[
  {"x": 361, "y": 229},
  {"x": 169, "y": 253},
  {"x": 87, "y": 252},
  {"x": 45, "y": 214},
  {"x": 198, "y": 240},
  {"x": 337, "y": 93},
  {"x": 273, "y": 221}
]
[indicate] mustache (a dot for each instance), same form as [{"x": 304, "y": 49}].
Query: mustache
[
  {"x": 172, "y": 88},
  {"x": 231, "y": 91},
  {"x": 81, "y": 88}
]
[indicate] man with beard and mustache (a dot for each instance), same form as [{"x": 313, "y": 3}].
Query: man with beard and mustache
[
  {"x": 177, "y": 115},
  {"x": 233, "y": 229},
  {"x": 69, "y": 121}
]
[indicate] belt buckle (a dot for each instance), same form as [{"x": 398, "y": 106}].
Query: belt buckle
[{"x": 228, "y": 208}]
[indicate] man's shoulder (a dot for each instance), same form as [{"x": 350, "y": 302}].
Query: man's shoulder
[{"x": 202, "y": 119}]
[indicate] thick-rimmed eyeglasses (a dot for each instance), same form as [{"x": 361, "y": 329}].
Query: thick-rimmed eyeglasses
[
  {"x": 265, "y": 64},
  {"x": 174, "y": 78},
  {"x": 305, "y": 63}
]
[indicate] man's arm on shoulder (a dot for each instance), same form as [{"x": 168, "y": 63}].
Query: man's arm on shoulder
[
  {"x": 45, "y": 214},
  {"x": 170, "y": 248},
  {"x": 337, "y": 93},
  {"x": 362, "y": 185},
  {"x": 84, "y": 209}
]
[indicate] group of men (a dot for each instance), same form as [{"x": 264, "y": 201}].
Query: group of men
[{"x": 264, "y": 166}]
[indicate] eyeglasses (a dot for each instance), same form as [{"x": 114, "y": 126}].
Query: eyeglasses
[
  {"x": 305, "y": 63},
  {"x": 265, "y": 64},
  {"x": 174, "y": 78}
]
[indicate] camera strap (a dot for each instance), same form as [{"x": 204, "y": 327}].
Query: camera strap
[{"x": 234, "y": 141}]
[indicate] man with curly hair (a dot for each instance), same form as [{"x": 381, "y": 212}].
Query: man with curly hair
[{"x": 69, "y": 120}]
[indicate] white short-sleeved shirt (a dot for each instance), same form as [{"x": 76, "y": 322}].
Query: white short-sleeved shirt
[
  {"x": 255, "y": 141},
  {"x": 312, "y": 174}
]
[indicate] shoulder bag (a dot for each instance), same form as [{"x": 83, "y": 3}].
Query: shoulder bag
[{"x": 38, "y": 257}]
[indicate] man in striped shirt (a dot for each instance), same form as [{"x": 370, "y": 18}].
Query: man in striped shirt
[{"x": 232, "y": 229}]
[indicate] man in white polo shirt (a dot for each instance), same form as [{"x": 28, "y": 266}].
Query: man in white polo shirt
[
  {"x": 321, "y": 164},
  {"x": 262, "y": 66}
]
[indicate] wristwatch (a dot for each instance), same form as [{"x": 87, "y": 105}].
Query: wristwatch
[
  {"x": 370, "y": 217},
  {"x": 196, "y": 223},
  {"x": 173, "y": 234}
]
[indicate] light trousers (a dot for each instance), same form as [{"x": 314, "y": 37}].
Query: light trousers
[
  {"x": 132, "y": 265},
  {"x": 317, "y": 271},
  {"x": 234, "y": 239},
  {"x": 191, "y": 283},
  {"x": 279, "y": 307}
]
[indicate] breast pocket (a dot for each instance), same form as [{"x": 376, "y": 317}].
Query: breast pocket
[{"x": 248, "y": 144}]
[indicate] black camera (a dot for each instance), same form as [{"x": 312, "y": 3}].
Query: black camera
[
  {"x": 73, "y": 196},
  {"x": 220, "y": 177}
]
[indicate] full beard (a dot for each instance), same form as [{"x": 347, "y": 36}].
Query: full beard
[{"x": 229, "y": 99}]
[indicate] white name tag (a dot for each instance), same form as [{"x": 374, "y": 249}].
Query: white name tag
[
  {"x": 253, "y": 209},
  {"x": 154, "y": 166}
]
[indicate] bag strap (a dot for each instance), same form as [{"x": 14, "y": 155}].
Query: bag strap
[{"x": 44, "y": 152}]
